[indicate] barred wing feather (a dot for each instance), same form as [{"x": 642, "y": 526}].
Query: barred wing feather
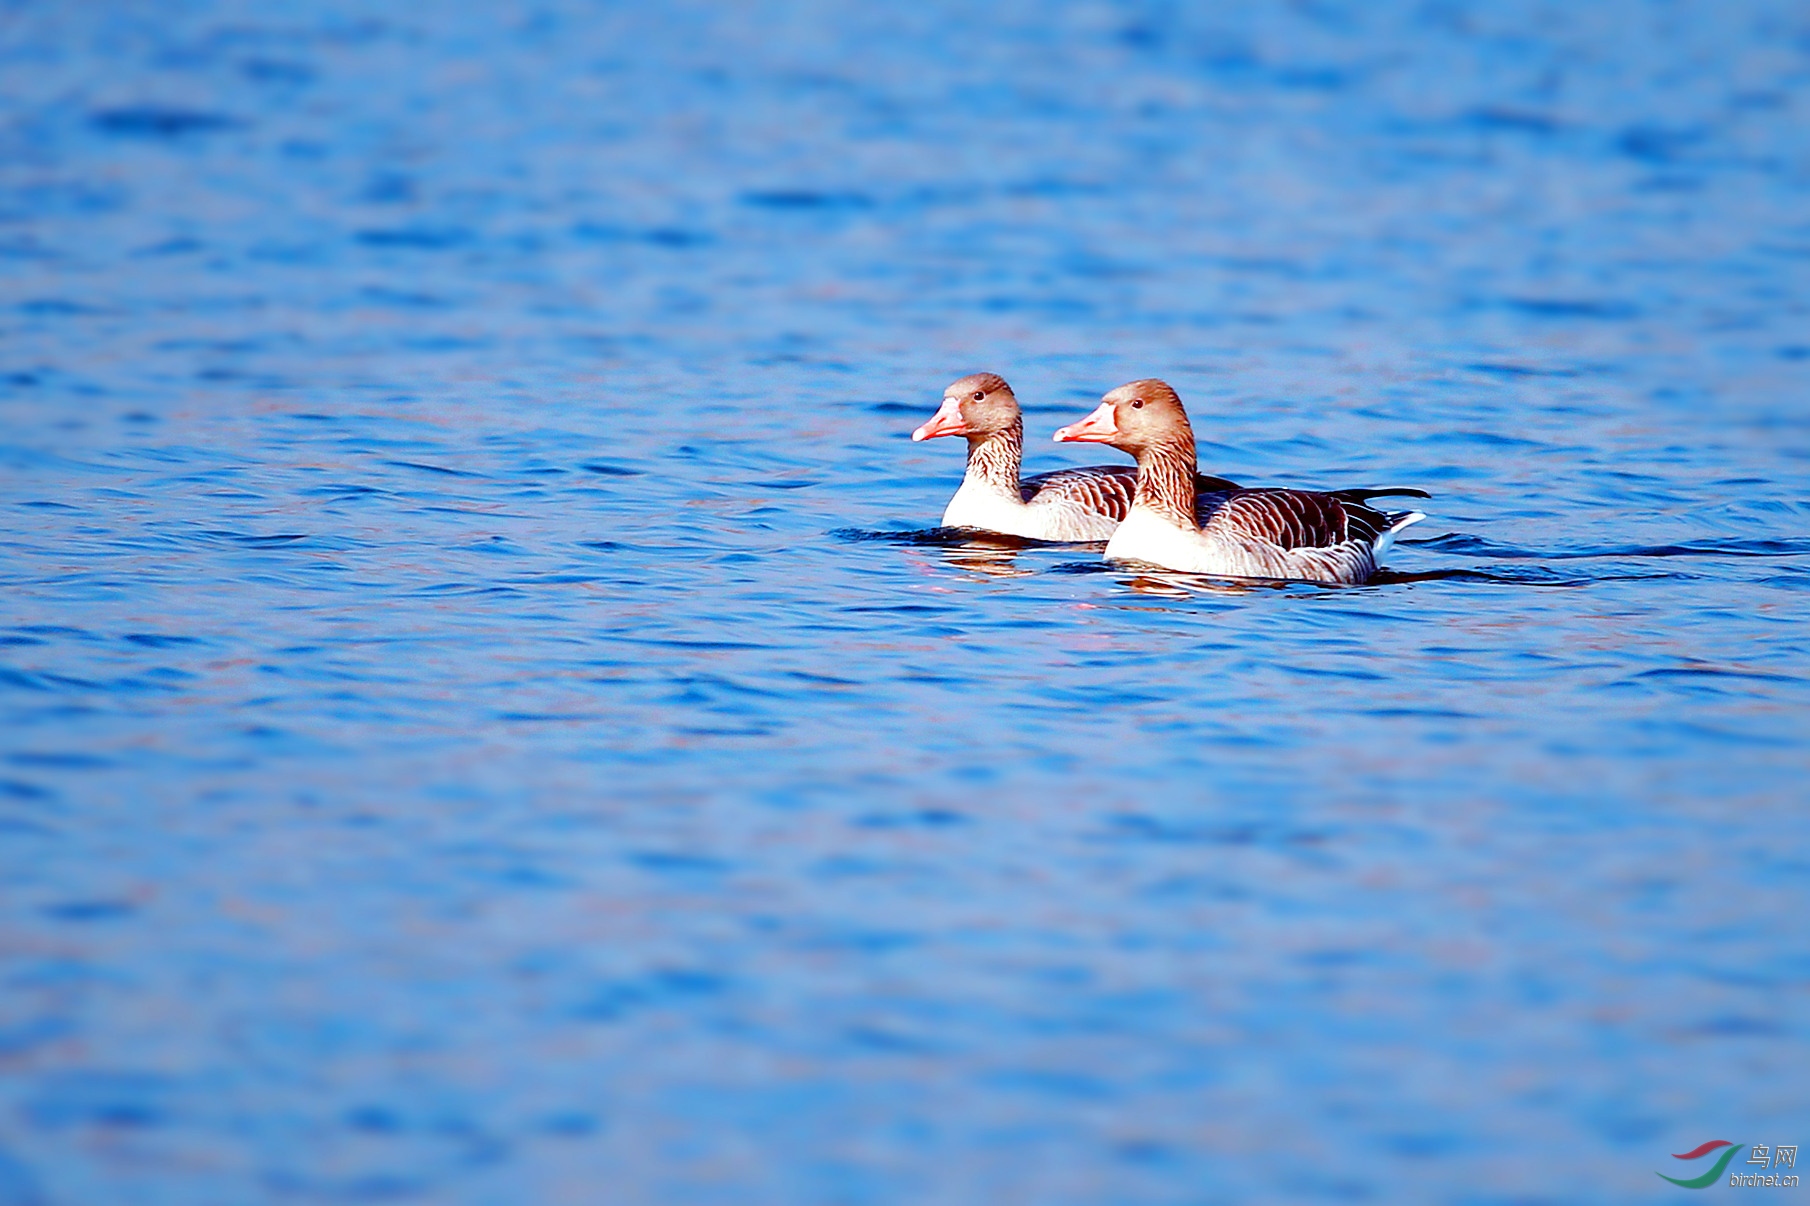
[
  {"x": 1108, "y": 489},
  {"x": 1103, "y": 491},
  {"x": 1287, "y": 519}
]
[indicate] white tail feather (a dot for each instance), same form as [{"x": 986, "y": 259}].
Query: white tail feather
[{"x": 1388, "y": 538}]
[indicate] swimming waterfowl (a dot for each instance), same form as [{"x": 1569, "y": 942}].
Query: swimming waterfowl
[
  {"x": 1307, "y": 535},
  {"x": 1067, "y": 504}
]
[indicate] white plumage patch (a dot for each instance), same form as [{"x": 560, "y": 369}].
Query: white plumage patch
[
  {"x": 979, "y": 504},
  {"x": 1147, "y": 536},
  {"x": 1388, "y": 538}
]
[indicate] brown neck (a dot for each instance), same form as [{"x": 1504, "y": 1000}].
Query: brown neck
[
  {"x": 1166, "y": 481},
  {"x": 995, "y": 458}
]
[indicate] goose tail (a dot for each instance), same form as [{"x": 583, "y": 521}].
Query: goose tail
[
  {"x": 1398, "y": 520},
  {"x": 1365, "y": 494}
]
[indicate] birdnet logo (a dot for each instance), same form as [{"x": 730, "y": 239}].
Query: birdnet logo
[{"x": 1783, "y": 1155}]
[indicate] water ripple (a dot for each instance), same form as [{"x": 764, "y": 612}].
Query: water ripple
[{"x": 487, "y": 715}]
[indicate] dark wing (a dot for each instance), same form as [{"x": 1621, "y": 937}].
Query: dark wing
[
  {"x": 1304, "y": 519},
  {"x": 1210, "y": 494},
  {"x": 1102, "y": 489},
  {"x": 1365, "y": 495},
  {"x": 1295, "y": 519},
  {"x": 1367, "y": 523},
  {"x": 1206, "y": 483}
]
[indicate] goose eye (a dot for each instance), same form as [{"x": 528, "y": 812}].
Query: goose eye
[
  {"x": 1137, "y": 404},
  {"x": 979, "y": 394}
]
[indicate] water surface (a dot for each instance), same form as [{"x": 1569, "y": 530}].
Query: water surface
[{"x": 484, "y": 716}]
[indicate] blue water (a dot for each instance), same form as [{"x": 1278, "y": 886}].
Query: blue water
[{"x": 483, "y": 717}]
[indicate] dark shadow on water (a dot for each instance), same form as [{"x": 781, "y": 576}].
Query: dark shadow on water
[
  {"x": 1167, "y": 581},
  {"x": 954, "y": 538},
  {"x": 1501, "y": 575},
  {"x": 1533, "y": 575},
  {"x": 1459, "y": 542},
  {"x": 994, "y": 554}
]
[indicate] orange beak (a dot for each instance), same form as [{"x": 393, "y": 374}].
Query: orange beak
[
  {"x": 1097, "y": 428},
  {"x": 946, "y": 421}
]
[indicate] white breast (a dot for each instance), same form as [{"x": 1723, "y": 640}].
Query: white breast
[
  {"x": 980, "y": 505},
  {"x": 1147, "y": 536}
]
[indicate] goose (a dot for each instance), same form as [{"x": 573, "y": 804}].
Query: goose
[
  {"x": 1065, "y": 505},
  {"x": 1306, "y": 535}
]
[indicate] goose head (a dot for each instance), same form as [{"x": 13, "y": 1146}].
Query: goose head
[
  {"x": 1134, "y": 418},
  {"x": 977, "y": 406}
]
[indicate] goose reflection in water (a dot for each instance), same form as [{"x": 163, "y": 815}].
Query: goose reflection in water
[
  {"x": 997, "y": 561},
  {"x": 1172, "y": 584},
  {"x": 982, "y": 553}
]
